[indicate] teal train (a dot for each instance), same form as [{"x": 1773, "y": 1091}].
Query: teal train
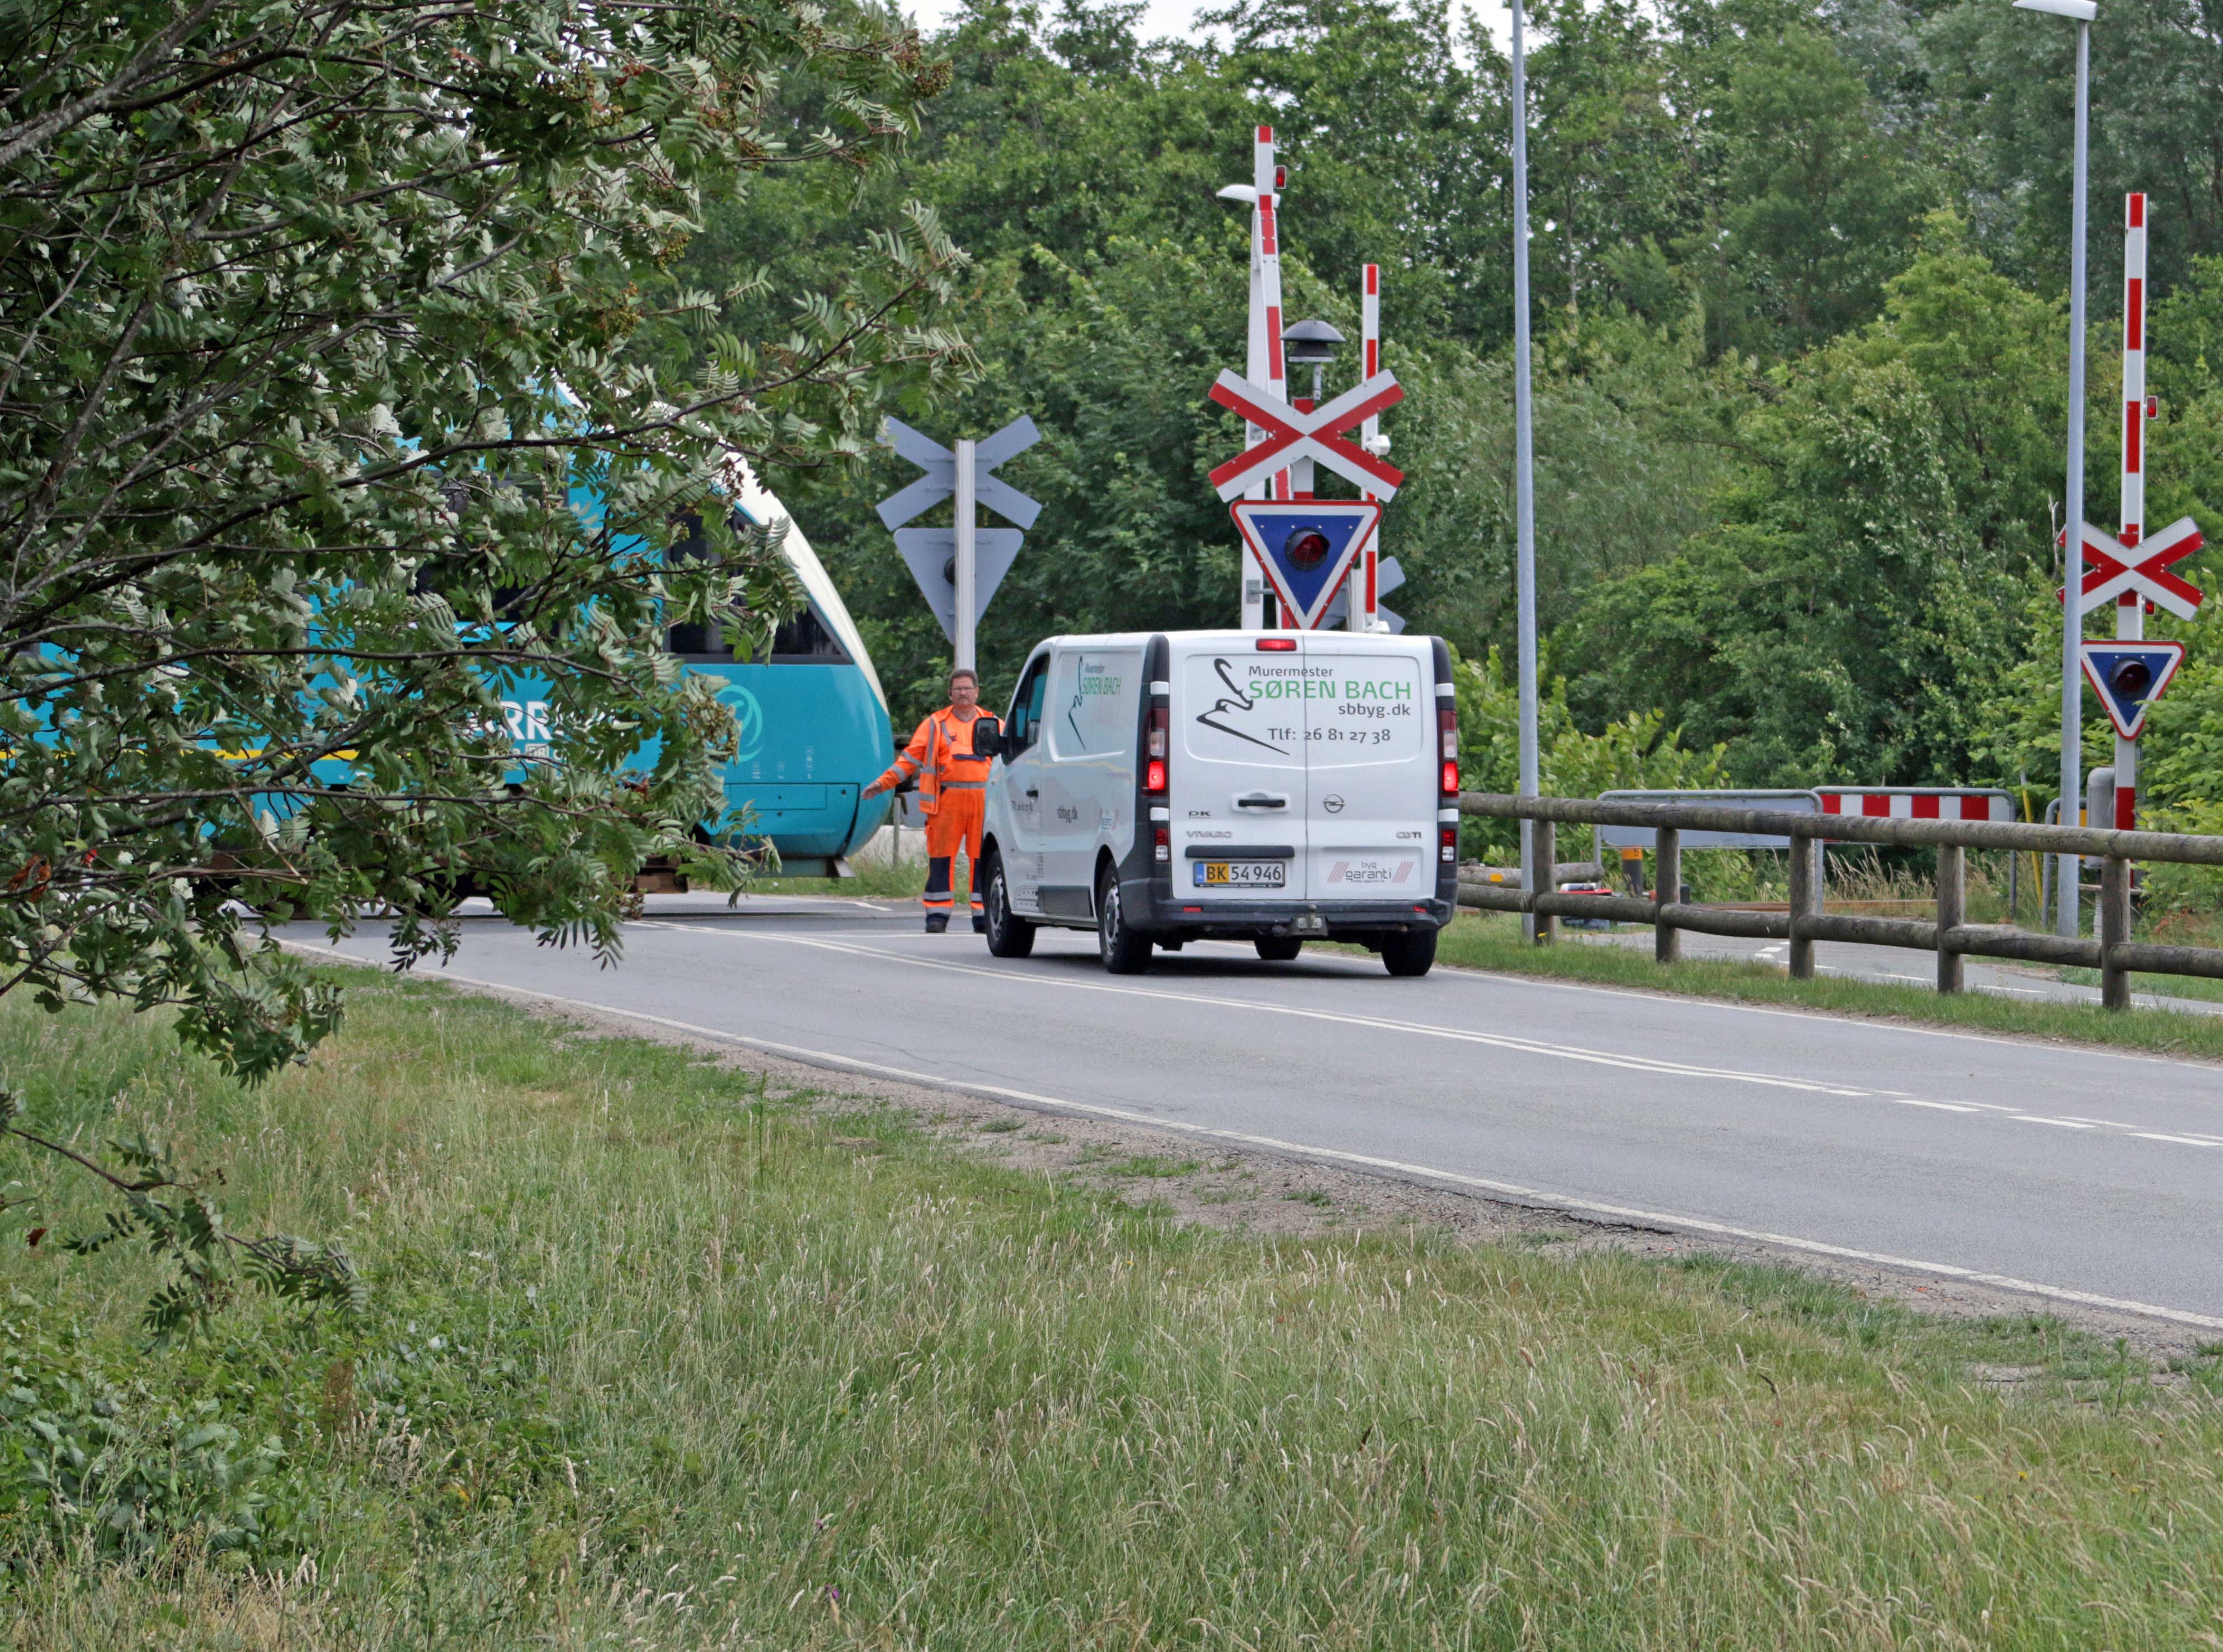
[{"x": 813, "y": 718}]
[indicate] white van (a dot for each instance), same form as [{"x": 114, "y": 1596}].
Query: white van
[{"x": 1266, "y": 787}]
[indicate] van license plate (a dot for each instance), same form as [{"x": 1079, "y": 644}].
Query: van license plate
[{"x": 1241, "y": 875}]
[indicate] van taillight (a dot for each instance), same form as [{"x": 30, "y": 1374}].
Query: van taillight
[
  {"x": 1154, "y": 778},
  {"x": 1277, "y": 645},
  {"x": 1447, "y": 746},
  {"x": 1157, "y": 745},
  {"x": 1449, "y": 836},
  {"x": 1450, "y": 779},
  {"x": 1161, "y": 843},
  {"x": 1154, "y": 775}
]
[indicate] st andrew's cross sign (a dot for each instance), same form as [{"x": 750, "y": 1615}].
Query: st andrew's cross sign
[{"x": 1292, "y": 435}]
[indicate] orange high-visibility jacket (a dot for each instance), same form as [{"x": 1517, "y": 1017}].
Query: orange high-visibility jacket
[{"x": 941, "y": 754}]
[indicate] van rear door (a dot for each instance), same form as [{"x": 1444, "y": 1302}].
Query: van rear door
[
  {"x": 1236, "y": 787},
  {"x": 1371, "y": 780}
]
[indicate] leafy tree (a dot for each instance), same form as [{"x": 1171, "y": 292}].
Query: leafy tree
[
  {"x": 1990, "y": 358},
  {"x": 336, "y": 391},
  {"x": 2006, "y": 86},
  {"x": 1831, "y": 628},
  {"x": 1819, "y": 200}
]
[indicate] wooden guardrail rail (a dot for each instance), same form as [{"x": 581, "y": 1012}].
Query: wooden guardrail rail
[{"x": 1951, "y": 938}]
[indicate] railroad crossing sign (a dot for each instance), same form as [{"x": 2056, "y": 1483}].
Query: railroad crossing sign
[
  {"x": 938, "y": 557},
  {"x": 2142, "y": 569},
  {"x": 2129, "y": 677},
  {"x": 1306, "y": 546},
  {"x": 1291, "y": 435}
]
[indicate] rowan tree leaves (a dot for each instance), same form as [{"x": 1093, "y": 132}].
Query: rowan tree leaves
[{"x": 338, "y": 390}]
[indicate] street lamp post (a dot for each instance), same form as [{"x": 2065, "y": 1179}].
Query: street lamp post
[
  {"x": 1524, "y": 478},
  {"x": 2081, "y": 12}
]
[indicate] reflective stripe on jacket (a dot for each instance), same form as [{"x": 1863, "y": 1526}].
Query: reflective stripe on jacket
[{"x": 941, "y": 754}]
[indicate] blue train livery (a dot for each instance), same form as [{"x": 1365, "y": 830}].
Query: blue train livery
[{"x": 812, "y": 714}]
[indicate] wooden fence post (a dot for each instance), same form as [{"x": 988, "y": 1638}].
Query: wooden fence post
[
  {"x": 1547, "y": 875},
  {"x": 1805, "y": 902},
  {"x": 2114, "y": 930},
  {"x": 1666, "y": 939},
  {"x": 1952, "y": 909}
]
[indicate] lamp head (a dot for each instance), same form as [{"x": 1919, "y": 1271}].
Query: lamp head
[
  {"x": 2082, "y": 10},
  {"x": 1243, "y": 192},
  {"x": 1310, "y": 341}
]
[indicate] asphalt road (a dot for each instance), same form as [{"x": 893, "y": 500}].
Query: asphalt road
[{"x": 2085, "y": 1175}]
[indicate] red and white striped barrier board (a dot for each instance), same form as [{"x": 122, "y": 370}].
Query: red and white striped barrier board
[{"x": 1921, "y": 802}]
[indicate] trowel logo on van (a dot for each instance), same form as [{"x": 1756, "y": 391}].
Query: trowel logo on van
[
  {"x": 1372, "y": 872},
  {"x": 1223, "y": 708}
]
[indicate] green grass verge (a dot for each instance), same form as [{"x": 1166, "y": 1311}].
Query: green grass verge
[
  {"x": 1492, "y": 941},
  {"x": 655, "y": 1359}
]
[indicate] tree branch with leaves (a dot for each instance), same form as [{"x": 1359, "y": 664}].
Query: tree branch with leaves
[{"x": 343, "y": 382}]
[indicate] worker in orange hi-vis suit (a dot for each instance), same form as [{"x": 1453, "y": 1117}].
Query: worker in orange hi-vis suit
[{"x": 953, "y": 791}]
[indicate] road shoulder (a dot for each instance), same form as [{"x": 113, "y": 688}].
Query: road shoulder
[{"x": 1284, "y": 1195}]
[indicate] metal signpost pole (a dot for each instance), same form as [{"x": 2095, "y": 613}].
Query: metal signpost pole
[
  {"x": 2130, "y": 609},
  {"x": 1262, "y": 172},
  {"x": 967, "y": 523},
  {"x": 1524, "y": 460},
  {"x": 1364, "y": 604},
  {"x": 2072, "y": 605},
  {"x": 2072, "y": 561},
  {"x": 1260, "y": 611}
]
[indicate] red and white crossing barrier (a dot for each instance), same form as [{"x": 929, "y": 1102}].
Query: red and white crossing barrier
[{"x": 1921, "y": 802}]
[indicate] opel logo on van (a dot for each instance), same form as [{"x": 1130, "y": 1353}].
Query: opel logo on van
[{"x": 1332, "y": 803}]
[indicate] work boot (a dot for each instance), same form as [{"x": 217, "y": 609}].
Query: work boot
[
  {"x": 937, "y": 923},
  {"x": 980, "y": 922}
]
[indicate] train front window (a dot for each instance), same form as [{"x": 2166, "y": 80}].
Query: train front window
[{"x": 806, "y": 640}]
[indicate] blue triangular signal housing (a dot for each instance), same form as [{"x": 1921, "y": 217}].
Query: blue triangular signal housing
[
  {"x": 1306, "y": 570},
  {"x": 2128, "y": 704}
]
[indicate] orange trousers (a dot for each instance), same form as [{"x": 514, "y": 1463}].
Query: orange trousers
[{"x": 955, "y": 824}]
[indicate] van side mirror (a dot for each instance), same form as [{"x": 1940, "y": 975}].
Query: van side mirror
[{"x": 987, "y": 736}]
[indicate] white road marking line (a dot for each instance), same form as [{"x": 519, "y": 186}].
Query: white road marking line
[
  {"x": 2184, "y": 1141},
  {"x": 1499, "y": 1041},
  {"x": 1653, "y": 1065},
  {"x": 1643, "y": 1064},
  {"x": 1508, "y": 1189}
]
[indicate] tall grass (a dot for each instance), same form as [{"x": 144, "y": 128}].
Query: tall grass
[{"x": 658, "y": 1359}]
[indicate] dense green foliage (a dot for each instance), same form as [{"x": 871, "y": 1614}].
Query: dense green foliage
[
  {"x": 1800, "y": 275},
  {"x": 337, "y": 388}
]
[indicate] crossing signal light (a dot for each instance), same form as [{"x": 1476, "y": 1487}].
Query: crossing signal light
[
  {"x": 2131, "y": 678},
  {"x": 1306, "y": 548}
]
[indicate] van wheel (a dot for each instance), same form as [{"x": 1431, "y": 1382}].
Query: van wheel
[
  {"x": 1009, "y": 937},
  {"x": 1125, "y": 952},
  {"x": 1410, "y": 953},
  {"x": 1278, "y": 948}
]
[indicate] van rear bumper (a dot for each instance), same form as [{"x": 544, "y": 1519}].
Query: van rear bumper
[{"x": 1169, "y": 914}]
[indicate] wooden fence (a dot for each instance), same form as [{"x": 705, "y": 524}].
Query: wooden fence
[{"x": 1951, "y": 938}]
